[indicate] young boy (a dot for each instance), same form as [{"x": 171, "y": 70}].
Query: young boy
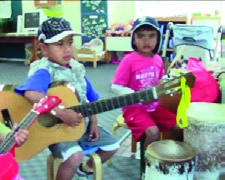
[
  {"x": 56, "y": 44},
  {"x": 139, "y": 70}
]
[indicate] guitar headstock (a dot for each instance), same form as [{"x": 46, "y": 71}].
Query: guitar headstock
[
  {"x": 173, "y": 85},
  {"x": 46, "y": 104}
]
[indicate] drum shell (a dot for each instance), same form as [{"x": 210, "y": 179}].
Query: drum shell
[
  {"x": 160, "y": 168},
  {"x": 204, "y": 134}
]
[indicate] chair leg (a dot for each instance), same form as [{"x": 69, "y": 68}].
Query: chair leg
[
  {"x": 97, "y": 166},
  {"x": 142, "y": 162},
  {"x": 95, "y": 64},
  {"x": 52, "y": 167},
  {"x": 115, "y": 127},
  {"x": 133, "y": 145}
]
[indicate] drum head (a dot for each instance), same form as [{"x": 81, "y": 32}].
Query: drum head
[
  {"x": 209, "y": 112},
  {"x": 170, "y": 151}
]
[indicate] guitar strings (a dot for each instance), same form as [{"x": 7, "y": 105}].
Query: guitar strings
[{"x": 9, "y": 140}]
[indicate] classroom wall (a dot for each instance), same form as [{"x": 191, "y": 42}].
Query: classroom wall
[
  {"x": 118, "y": 11},
  {"x": 121, "y": 11}
]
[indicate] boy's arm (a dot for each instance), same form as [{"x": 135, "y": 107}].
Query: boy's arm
[
  {"x": 68, "y": 116},
  {"x": 36, "y": 87},
  {"x": 92, "y": 96}
]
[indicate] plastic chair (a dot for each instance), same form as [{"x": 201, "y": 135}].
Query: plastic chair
[{"x": 54, "y": 162}]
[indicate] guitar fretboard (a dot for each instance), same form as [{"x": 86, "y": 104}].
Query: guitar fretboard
[
  {"x": 114, "y": 103},
  {"x": 9, "y": 141}
]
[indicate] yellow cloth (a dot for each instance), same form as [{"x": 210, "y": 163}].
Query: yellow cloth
[
  {"x": 4, "y": 130},
  {"x": 185, "y": 100}
]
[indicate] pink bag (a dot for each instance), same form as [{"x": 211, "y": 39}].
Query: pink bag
[{"x": 206, "y": 88}]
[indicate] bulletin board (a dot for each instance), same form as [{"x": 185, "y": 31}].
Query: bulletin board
[{"x": 94, "y": 19}]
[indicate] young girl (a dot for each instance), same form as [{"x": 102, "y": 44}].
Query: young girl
[
  {"x": 139, "y": 70},
  {"x": 8, "y": 165}
]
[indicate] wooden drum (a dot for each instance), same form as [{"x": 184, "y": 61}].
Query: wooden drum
[
  {"x": 169, "y": 160},
  {"x": 204, "y": 134}
]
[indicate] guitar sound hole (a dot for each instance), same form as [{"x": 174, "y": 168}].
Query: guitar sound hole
[{"x": 47, "y": 120}]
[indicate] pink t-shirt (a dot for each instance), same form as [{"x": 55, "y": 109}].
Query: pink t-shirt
[{"x": 139, "y": 72}]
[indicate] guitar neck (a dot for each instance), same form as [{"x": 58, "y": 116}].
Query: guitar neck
[
  {"x": 9, "y": 141},
  {"x": 167, "y": 87},
  {"x": 114, "y": 103}
]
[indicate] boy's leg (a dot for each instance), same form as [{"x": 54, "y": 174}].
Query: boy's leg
[
  {"x": 107, "y": 144},
  {"x": 71, "y": 155},
  {"x": 68, "y": 168},
  {"x": 88, "y": 166}
]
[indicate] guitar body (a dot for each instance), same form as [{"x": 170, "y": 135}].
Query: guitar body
[
  {"x": 40, "y": 135},
  {"x": 46, "y": 130},
  {"x": 170, "y": 102},
  {"x": 9, "y": 167}
]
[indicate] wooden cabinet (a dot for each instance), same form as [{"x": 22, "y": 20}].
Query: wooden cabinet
[{"x": 118, "y": 43}]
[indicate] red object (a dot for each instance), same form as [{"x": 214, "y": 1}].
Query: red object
[
  {"x": 206, "y": 88},
  {"x": 138, "y": 120},
  {"x": 9, "y": 167},
  {"x": 47, "y": 104}
]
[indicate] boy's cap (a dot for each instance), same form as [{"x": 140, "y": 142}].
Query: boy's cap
[
  {"x": 55, "y": 29},
  {"x": 146, "y": 20}
]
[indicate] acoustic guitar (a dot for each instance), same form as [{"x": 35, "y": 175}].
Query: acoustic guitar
[
  {"x": 48, "y": 130},
  {"x": 9, "y": 167}
]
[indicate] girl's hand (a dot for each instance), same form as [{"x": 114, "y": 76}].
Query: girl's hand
[{"x": 20, "y": 136}]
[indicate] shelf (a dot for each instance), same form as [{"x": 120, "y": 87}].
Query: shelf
[
  {"x": 172, "y": 19},
  {"x": 48, "y": 3}
]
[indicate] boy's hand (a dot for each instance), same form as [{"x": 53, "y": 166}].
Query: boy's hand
[
  {"x": 94, "y": 135},
  {"x": 70, "y": 117},
  {"x": 20, "y": 136}
]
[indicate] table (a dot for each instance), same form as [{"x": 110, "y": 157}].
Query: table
[{"x": 22, "y": 38}]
